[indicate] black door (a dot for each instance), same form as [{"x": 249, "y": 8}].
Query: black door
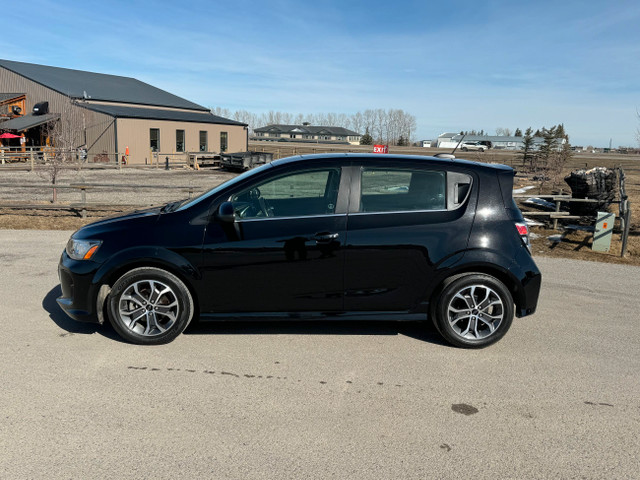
[
  {"x": 284, "y": 252},
  {"x": 400, "y": 230}
]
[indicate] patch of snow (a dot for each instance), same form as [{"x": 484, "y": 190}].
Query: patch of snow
[
  {"x": 524, "y": 189},
  {"x": 532, "y": 223}
]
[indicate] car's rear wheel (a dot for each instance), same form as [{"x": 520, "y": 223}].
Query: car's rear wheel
[
  {"x": 464, "y": 149},
  {"x": 473, "y": 311},
  {"x": 150, "y": 306}
]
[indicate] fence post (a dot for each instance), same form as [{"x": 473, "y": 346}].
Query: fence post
[
  {"x": 83, "y": 199},
  {"x": 32, "y": 159},
  {"x": 555, "y": 220},
  {"x": 2, "y": 155},
  {"x": 625, "y": 232},
  {"x": 166, "y": 163}
]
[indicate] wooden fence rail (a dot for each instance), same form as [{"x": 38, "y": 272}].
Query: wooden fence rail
[{"x": 83, "y": 205}]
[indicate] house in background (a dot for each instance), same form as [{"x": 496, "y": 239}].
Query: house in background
[
  {"x": 109, "y": 113},
  {"x": 306, "y": 134}
]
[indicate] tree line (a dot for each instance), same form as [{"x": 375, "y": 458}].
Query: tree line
[{"x": 391, "y": 127}]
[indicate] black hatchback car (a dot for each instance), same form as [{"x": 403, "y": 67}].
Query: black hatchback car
[{"x": 343, "y": 236}]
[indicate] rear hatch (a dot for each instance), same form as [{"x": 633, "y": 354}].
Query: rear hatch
[{"x": 505, "y": 180}]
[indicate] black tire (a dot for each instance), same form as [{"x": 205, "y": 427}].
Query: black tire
[
  {"x": 481, "y": 150},
  {"x": 149, "y": 306},
  {"x": 471, "y": 317},
  {"x": 464, "y": 149}
]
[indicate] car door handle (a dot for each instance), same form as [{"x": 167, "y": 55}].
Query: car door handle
[{"x": 324, "y": 237}]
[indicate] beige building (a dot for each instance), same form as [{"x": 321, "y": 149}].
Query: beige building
[{"x": 108, "y": 114}]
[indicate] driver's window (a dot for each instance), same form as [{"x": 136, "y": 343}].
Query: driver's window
[{"x": 297, "y": 194}]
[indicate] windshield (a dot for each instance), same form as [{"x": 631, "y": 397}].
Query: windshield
[{"x": 222, "y": 186}]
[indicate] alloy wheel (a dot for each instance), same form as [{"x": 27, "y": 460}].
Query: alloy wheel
[
  {"x": 475, "y": 312},
  {"x": 148, "y": 307}
]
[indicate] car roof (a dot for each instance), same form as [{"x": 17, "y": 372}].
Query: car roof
[{"x": 376, "y": 157}]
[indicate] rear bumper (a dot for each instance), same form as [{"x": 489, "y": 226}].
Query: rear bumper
[{"x": 530, "y": 281}]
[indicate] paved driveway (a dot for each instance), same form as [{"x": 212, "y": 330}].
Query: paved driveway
[{"x": 558, "y": 397}]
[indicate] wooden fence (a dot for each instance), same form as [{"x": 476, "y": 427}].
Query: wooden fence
[
  {"x": 624, "y": 209},
  {"x": 83, "y": 205}
]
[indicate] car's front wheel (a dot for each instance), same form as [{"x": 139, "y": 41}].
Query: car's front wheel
[
  {"x": 473, "y": 311},
  {"x": 150, "y": 306}
]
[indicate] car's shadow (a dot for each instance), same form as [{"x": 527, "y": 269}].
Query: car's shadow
[
  {"x": 423, "y": 331},
  {"x": 63, "y": 321}
]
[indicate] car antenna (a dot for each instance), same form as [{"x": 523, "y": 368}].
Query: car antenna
[
  {"x": 450, "y": 155},
  {"x": 456, "y": 147}
]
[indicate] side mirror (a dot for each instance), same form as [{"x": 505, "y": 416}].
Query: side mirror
[{"x": 226, "y": 213}]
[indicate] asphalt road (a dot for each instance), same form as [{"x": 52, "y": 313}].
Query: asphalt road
[{"x": 558, "y": 397}]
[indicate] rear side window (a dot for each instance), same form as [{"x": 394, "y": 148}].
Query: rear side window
[{"x": 399, "y": 190}]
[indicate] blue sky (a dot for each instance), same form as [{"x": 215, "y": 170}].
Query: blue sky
[{"x": 456, "y": 65}]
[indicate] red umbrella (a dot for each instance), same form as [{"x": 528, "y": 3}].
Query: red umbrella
[{"x": 9, "y": 135}]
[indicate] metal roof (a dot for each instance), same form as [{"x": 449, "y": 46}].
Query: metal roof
[
  {"x": 159, "y": 114},
  {"x": 494, "y": 138},
  {"x": 27, "y": 121},
  {"x": 98, "y": 86},
  {"x": 315, "y": 130}
]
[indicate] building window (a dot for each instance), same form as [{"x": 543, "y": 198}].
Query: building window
[
  {"x": 224, "y": 141},
  {"x": 204, "y": 144},
  {"x": 154, "y": 139},
  {"x": 179, "y": 140}
]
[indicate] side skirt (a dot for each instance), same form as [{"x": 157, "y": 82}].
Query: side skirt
[{"x": 297, "y": 316}]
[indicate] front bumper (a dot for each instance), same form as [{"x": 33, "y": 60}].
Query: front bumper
[{"x": 79, "y": 293}]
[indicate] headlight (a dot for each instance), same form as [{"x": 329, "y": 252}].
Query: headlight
[{"x": 82, "y": 249}]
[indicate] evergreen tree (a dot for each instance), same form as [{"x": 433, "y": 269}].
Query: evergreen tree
[
  {"x": 366, "y": 139},
  {"x": 402, "y": 142},
  {"x": 528, "y": 147},
  {"x": 549, "y": 146},
  {"x": 518, "y": 133}
]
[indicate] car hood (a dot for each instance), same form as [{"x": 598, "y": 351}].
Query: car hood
[{"x": 117, "y": 222}]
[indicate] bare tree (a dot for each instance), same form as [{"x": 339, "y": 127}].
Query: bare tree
[
  {"x": 389, "y": 126},
  {"x": 503, "y": 132},
  {"x": 65, "y": 140}
]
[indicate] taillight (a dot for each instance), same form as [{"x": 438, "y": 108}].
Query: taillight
[{"x": 523, "y": 231}]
